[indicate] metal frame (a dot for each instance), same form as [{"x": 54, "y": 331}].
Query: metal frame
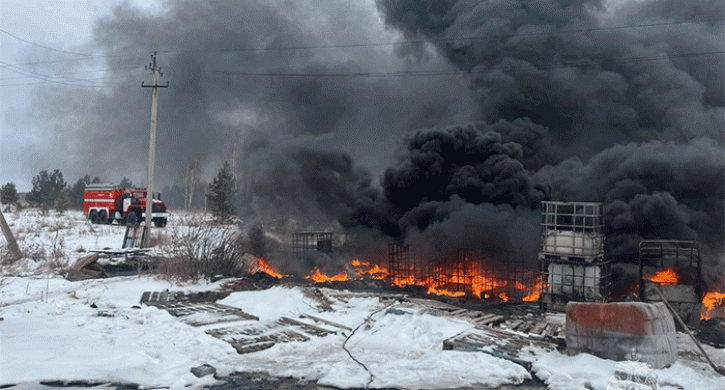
[
  {"x": 468, "y": 271},
  {"x": 402, "y": 263},
  {"x": 659, "y": 255},
  {"x": 309, "y": 244},
  {"x": 572, "y": 253}
]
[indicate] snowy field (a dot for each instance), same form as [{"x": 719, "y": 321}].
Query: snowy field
[{"x": 96, "y": 331}]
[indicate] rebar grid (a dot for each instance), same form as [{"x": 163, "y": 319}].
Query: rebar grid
[{"x": 308, "y": 244}]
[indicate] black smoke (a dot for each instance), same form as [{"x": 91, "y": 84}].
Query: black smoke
[
  {"x": 219, "y": 58},
  {"x": 552, "y": 100},
  {"x": 628, "y": 116}
]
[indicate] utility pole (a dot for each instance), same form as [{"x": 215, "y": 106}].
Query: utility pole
[
  {"x": 152, "y": 143},
  {"x": 12, "y": 244}
]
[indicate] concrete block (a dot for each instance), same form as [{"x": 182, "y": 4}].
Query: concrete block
[{"x": 614, "y": 330}]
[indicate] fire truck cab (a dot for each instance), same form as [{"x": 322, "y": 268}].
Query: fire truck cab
[{"x": 105, "y": 203}]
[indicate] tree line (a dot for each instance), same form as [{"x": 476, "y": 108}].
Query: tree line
[{"x": 51, "y": 191}]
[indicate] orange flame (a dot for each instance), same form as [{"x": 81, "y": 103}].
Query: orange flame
[
  {"x": 364, "y": 268},
  {"x": 320, "y": 277},
  {"x": 472, "y": 280},
  {"x": 713, "y": 300},
  {"x": 668, "y": 276},
  {"x": 535, "y": 293},
  {"x": 266, "y": 268},
  {"x": 445, "y": 292}
]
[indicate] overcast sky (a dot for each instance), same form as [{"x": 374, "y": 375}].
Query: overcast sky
[
  {"x": 61, "y": 109},
  {"x": 63, "y": 25}
]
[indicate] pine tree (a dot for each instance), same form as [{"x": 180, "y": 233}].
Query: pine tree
[
  {"x": 77, "y": 193},
  {"x": 126, "y": 183},
  {"x": 9, "y": 194},
  {"x": 220, "y": 194},
  {"x": 63, "y": 201},
  {"x": 46, "y": 188}
]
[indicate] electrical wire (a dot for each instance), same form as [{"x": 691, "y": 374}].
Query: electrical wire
[{"x": 447, "y": 72}]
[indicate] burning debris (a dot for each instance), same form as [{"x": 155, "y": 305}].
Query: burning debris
[{"x": 675, "y": 268}]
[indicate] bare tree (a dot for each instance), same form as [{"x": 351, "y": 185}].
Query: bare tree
[{"x": 191, "y": 176}]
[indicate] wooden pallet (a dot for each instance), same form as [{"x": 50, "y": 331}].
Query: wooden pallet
[
  {"x": 196, "y": 309},
  {"x": 496, "y": 342},
  {"x": 538, "y": 328},
  {"x": 206, "y": 313},
  {"x": 257, "y": 337}
]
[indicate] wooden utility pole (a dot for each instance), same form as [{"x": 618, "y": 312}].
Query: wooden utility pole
[
  {"x": 152, "y": 144},
  {"x": 12, "y": 244}
]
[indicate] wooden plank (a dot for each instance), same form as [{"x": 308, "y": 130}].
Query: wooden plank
[
  {"x": 316, "y": 330},
  {"x": 515, "y": 324},
  {"x": 525, "y": 327},
  {"x": 490, "y": 320},
  {"x": 550, "y": 331},
  {"x": 324, "y": 321},
  {"x": 538, "y": 328}
]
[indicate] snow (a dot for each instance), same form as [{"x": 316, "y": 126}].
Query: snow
[
  {"x": 60, "y": 336},
  {"x": 96, "y": 331}
]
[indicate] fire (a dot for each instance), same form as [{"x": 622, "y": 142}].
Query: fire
[
  {"x": 535, "y": 293},
  {"x": 668, "y": 276},
  {"x": 445, "y": 292},
  {"x": 712, "y": 301},
  {"x": 266, "y": 268},
  {"x": 320, "y": 277},
  {"x": 364, "y": 268},
  {"x": 472, "y": 281}
]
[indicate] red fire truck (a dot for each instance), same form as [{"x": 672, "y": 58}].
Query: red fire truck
[{"x": 105, "y": 203}]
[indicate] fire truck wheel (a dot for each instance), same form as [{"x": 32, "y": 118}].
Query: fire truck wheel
[
  {"x": 94, "y": 216},
  {"x": 103, "y": 217},
  {"x": 159, "y": 222}
]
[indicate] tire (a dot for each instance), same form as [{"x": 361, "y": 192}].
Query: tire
[
  {"x": 132, "y": 219},
  {"x": 103, "y": 217},
  {"x": 159, "y": 222},
  {"x": 93, "y": 216}
]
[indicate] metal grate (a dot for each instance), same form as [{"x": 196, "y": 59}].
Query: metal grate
[
  {"x": 484, "y": 273},
  {"x": 683, "y": 257},
  {"x": 572, "y": 264},
  {"x": 403, "y": 267},
  {"x": 306, "y": 246}
]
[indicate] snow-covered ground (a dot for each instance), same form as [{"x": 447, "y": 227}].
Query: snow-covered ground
[{"x": 95, "y": 330}]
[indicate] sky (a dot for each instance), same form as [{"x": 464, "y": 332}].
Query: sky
[
  {"x": 51, "y": 40},
  {"x": 36, "y": 27}
]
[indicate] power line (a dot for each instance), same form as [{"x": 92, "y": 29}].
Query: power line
[
  {"x": 444, "y": 72},
  {"x": 42, "y": 46},
  {"x": 46, "y": 78},
  {"x": 349, "y": 45},
  {"x": 440, "y": 40}
]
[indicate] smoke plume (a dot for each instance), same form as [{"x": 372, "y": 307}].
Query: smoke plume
[{"x": 573, "y": 100}]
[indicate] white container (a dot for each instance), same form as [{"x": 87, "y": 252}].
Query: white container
[
  {"x": 566, "y": 242},
  {"x": 575, "y": 280}
]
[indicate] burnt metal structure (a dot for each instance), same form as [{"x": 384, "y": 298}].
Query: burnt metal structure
[
  {"x": 403, "y": 267},
  {"x": 306, "y": 246},
  {"x": 473, "y": 272},
  {"x": 486, "y": 273},
  {"x": 572, "y": 254},
  {"x": 683, "y": 259}
]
